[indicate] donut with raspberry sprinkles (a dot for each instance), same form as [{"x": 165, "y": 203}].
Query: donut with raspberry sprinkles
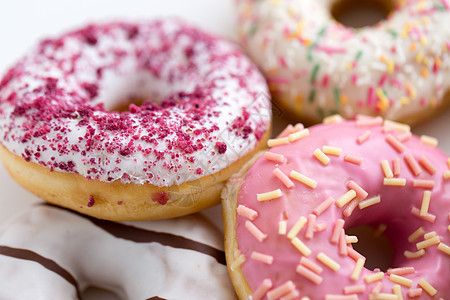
[
  {"x": 65, "y": 139},
  {"x": 287, "y": 241}
]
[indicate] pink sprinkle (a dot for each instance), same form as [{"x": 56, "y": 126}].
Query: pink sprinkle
[
  {"x": 258, "y": 234},
  {"x": 330, "y": 50},
  {"x": 279, "y": 158},
  {"x": 355, "y": 255},
  {"x": 423, "y": 101},
  {"x": 354, "y": 78},
  {"x": 325, "y": 80},
  {"x": 371, "y": 98},
  {"x": 292, "y": 295},
  {"x": 355, "y": 289},
  {"x": 320, "y": 227},
  {"x": 414, "y": 292},
  {"x": 396, "y": 166},
  {"x": 247, "y": 212},
  {"x": 281, "y": 290},
  {"x": 364, "y": 137},
  {"x": 382, "y": 80},
  {"x": 323, "y": 206},
  {"x": 396, "y": 82},
  {"x": 427, "y": 165},
  {"x": 350, "y": 207},
  {"x": 369, "y": 121},
  {"x": 283, "y": 178},
  {"x": 413, "y": 164},
  {"x": 429, "y": 217},
  {"x": 264, "y": 258},
  {"x": 262, "y": 289},
  {"x": 399, "y": 147},
  {"x": 360, "y": 192},
  {"x": 337, "y": 231},
  {"x": 360, "y": 103},
  {"x": 353, "y": 159},
  {"x": 404, "y": 136},
  {"x": 423, "y": 183},
  {"x": 311, "y": 265},
  {"x": 401, "y": 271},
  {"x": 282, "y": 61},
  {"x": 343, "y": 244},
  {"x": 308, "y": 274},
  {"x": 377, "y": 288},
  {"x": 309, "y": 232}
]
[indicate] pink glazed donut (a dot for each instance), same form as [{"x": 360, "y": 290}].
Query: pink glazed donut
[
  {"x": 64, "y": 138},
  {"x": 287, "y": 212}
]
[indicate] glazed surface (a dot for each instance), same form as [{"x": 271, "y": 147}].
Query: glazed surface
[
  {"x": 394, "y": 211},
  {"x": 207, "y": 106},
  {"x": 315, "y": 66}
]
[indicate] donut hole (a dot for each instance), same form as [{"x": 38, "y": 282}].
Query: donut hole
[
  {"x": 374, "y": 245},
  {"x": 361, "y": 13}
]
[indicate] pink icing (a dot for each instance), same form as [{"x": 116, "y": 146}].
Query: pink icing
[
  {"x": 203, "y": 96},
  {"x": 394, "y": 210}
]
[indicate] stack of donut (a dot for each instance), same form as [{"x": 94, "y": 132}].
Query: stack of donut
[{"x": 142, "y": 121}]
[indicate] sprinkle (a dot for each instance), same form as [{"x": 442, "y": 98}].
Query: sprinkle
[
  {"x": 320, "y": 227},
  {"x": 321, "y": 156},
  {"x": 423, "y": 183},
  {"x": 383, "y": 296},
  {"x": 292, "y": 295},
  {"x": 297, "y": 243},
  {"x": 396, "y": 144},
  {"x": 331, "y": 150},
  {"x": 279, "y": 158},
  {"x": 427, "y": 243},
  {"x": 298, "y": 135},
  {"x": 397, "y": 125},
  {"x": 345, "y": 198},
  {"x": 429, "y": 140},
  {"x": 416, "y": 234},
  {"x": 311, "y": 265},
  {"x": 262, "y": 289},
  {"x": 425, "y": 203},
  {"x": 417, "y": 254},
  {"x": 247, "y": 212},
  {"x": 283, "y": 178},
  {"x": 238, "y": 262},
  {"x": 297, "y": 227},
  {"x": 354, "y": 289},
  {"x": 429, "y": 235},
  {"x": 369, "y": 202},
  {"x": 281, "y": 290},
  {"x": 303, "y": 179},
  {"x": 401, "y": 271},
  {"x": 309, "y": 232},
  {"x": 397, "y": 289},
  {"x": 396, "y": 166},
  {"x": 374, "y": 277},
  {"x": 312, "y": 79},
  {"x": 404, "y": 136},
  {"x": 264, "y": 258},
  {"x": 282, "y": 227},
  {"x": 351, "y": 239},
  {"x": 413, "y": 164},
  {"x": 286, "y": 131},
  {"x": 258, "y": 234},
  {"x": 327, "y": 261},
  {"x": 269, "y": 195},
  {"x": 363, "y": 137},
  {"x": 394, "y": 181},
  {"x": 323, "y": 206},
  {"x": 339, "y": 225},
  {"x": 353, "y": 159},
  {"x": 429, "y": 217},
  {"x": 347, "y": 212},
  {"x": 400, "y": 280},
  {"x": 341, "y": 297},
  {"x": 277, "y": 142},
  {"x": 446, "y": 174},
  {"x": 377, "y": 288},
  {"x": 355, "y": 255},
  {"x": 332, "y": 119},
  {"x": 308, "y": 274},
  {"x": 427, "y": 165},
  {"x": 369, "y": 121},
  {"x": 360, "y": 192},
  {"x": 386, "y": 169},
  {"x": 427, "y": 287},
  {"x": 342, "y": 244},
  {"x": 359, "y": 265},
  {"x": 414, "y": 292},
  {"x": 444, "y": 248}
]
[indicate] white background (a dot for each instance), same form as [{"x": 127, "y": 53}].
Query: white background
[{"x": 23, "y": 23}]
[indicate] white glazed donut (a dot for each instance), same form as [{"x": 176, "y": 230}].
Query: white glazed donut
[
  {"x": 315, "y": 66},
  {"x": 64, "y": 142},
  {"x": 52, "y": 253}
]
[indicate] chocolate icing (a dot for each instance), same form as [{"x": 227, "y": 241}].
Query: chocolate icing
[{"x": 43, "y": 261}]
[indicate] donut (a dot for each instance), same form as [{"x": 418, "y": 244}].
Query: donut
[
  {"x": 316, "y": 66},
  {"x": 288, "y": 213},
  {"x": 57, "y": 253},
  {"x": 132, "y": 121}
]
